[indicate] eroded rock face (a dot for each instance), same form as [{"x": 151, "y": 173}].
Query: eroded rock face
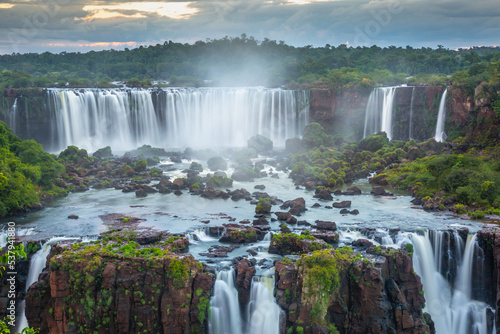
[
  {"x": 245, "y": 271},
  {"x": 99, "y": 292},
  {"x": 334, "y": 287},
  {"x": 486, "y": 285}
]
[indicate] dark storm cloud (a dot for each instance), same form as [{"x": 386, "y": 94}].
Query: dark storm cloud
[{"x": 356, "y": 22}]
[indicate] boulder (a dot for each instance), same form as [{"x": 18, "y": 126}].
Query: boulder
[
  {"x": 260, "y": 143},
  {"x": 326, "y": 225},
  {"x": 343, "y": 204}
]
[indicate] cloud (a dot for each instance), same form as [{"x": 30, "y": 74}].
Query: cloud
[
  {"x": 174, "y": 10},
  {"x": 54, "y": 24}
]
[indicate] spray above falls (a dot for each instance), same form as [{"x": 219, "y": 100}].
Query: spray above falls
[{"x": 174, "y": 117}]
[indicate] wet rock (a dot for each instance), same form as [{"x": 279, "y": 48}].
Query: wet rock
[
  {"x": 316, "y": 205},
  {"x": 291, "y": 221},
  {"x": 235, "y": 233},
  {"x": 260, "y": 143},
  {"x": 289, "y": 243},
  {"x": 352, "y": 191},
  {"x": 260, "y": 221},
  {"x": 285, "y": 229},
  {"x": 178, "y": 193},
  {"x": 362, "y": 244},
  {"x": 141, "y": 193},
  {"x": 379, "y": 191},
  {"x": 310, "y": 185},
  {"x": 263, "y": 207},
  {"x": 343, "y": 204},
  {"x": 354, "y": 212},
  {"x": 73, "y": 216},
  {"x": 344, "y": 212},
  {"x": 296, "y": 206},
  {"x": 326, "y": 225},
  {"x": 245, "y": 271},
  {"x": 260, "y": 187},
  {"x": 252, "y": 252},
  {"x": 303, "y": 223},
  {"x": 283, "y": 215},
  {"x": 327, "y": 236},
  {"x": 217, "y": 163},
  {"x": 324, "y": 194}
]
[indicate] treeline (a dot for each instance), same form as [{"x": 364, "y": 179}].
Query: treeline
[{"x": 239, "y": 61}]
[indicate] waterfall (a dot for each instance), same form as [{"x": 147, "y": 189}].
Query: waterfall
[
  {"x": 13, "y": 116},
  {"x": 378, "y": 115},
  {"x": 199, "y": 235},
  {"x": 263, "y": 312},
  {"x": 440, "y": 135},
  {"x": 225, "y": 313},
  {"x": 175, "y": 117},
  {"x": 37, "y": 264},
  {"x": 450, "y": 304},
  {"x": 410, "y": 127}
]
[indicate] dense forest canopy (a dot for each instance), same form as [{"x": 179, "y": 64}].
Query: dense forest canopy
[{"x": 241, "y": 61}]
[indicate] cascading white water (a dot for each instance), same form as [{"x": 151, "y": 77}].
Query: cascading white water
[
  {"x": 410, "y": 127},
  {"x": 37, "y": 264},
  {"x": 199, "y": 235},
  {"x": 452, "y": 308},
  {"x": 262, "y": 315},
  {"x": 225, "y": 313},
  {"x": 378, "y": 115},
  {"x": 4, "y": 234},
  {"x": 440, "y": 135},
  {"x": 263, "y": 312},
  {"x": 13, "y": 116},
  {"x": 176, "y": 117}
]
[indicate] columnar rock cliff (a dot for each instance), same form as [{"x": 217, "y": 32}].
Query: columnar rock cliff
[
  {"x": 125, "y": 288},
  {"x": 338, "y": 290}
]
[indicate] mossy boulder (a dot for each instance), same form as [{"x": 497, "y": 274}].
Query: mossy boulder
[
  {"x": 264, "y": 206},
  {"x": 217, "y": 163},
  {"x": 314, "y": 135},
  {"x": 374, "y": 142},
  {"x": 260, "y": 143},
  {"x": 104, "y": 152},
  {"x": 290, "y": 243},
  {"x": 217, "y": 181}
]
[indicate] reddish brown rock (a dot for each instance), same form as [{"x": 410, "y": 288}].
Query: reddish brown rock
[
  {"x": 343, "y": 204},
  {"x": 112, "y": 294},
  {"x": 377, "y": 296},
  {"x": 245, "y": 271},
  {"x": 235, "y": 233}
]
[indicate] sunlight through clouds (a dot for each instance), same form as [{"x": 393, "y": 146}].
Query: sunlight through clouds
[
  {"x": 6, "y": 5},
  {"x": 173, "y": 10}
]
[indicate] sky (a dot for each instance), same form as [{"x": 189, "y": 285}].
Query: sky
[{"x": 84, "y": 25}]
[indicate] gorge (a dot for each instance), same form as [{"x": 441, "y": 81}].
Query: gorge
[{"x": 411, "y": 271}]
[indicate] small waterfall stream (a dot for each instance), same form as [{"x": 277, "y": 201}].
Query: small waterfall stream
[
  {"x": 262, "y": 314},
  {"x": 440, "y": 135},
  {"x": 378, "y": 115},
  {"x": 225, "y": 313},
  {"x": 410, "y": 128},
  {"x": 450, "y": 303},
  {"x": 13, "y": 116},
  {"x": 37, "y": 264}
]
